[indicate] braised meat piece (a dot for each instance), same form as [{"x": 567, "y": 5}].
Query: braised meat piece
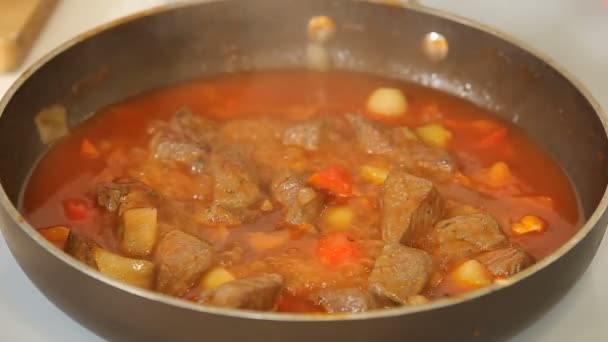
[
  {"x": 181, "y": 259},
  {"x": 301, "y": 203},
  {"x": 306, "y": 135},
  {"x": 370, "y": 136},
  {"x": 254, "y": 293},
  {"x": 236, "y": 185},
  {"x": 81, "y": 248},
  {"x": 400, "y": 272},
  {"x": 349, "y": 300},
  {"x": 426, "y": 161},
  {"x": 186, "y": 138},
  {"x": 124, "y": 194},
  {"x": 411, "y": 206},
  {"x": 505, "y": 262},
  {"x": 464, "y": 236}
]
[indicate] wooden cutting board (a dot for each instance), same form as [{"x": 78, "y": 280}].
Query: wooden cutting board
[{"x": 20, "y": 24}]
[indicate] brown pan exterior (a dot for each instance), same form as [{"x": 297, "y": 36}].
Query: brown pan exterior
[{"x": 172, "y": 44}]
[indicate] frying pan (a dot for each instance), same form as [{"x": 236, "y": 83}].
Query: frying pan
[{"x": 180, "y": 42}]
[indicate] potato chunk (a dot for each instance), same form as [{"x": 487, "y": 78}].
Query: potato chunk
[
  {"x": 135, "y": 272},
  {"x": 473, "y": 274},
  {"x": 389, "y": 102},
  {"x": 140, "y": 231}
]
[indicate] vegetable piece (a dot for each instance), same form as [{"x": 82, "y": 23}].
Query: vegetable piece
[
  {"x": 139, "y": 231},
  {"x": 57, "y": 235},
  {"x": 338, "y": 218},
  {"x": 493, "y": 138},
  {"x": 76, "y": 209},
  {"x": 472, "y": 273},
  {"x": 388, "y": 102},
  {"x": 374, "y": 174},
  {"x": 88, "y": 150},
  {"x": 434, "y": 135},
  {"x": 131, "y": 271},
  {"x": 337, "y": 248},
  {"x": 321, "y": 29},
  {"x": 317, "y": 57},
  {"x": 529, "y": 224},
  {"x": 52, "y": 123},
  {"x": 263, "y": 241},
  {"x": 216, "y": 277},
  {"x": 335, "y": 180},
  {"x": 498, "y": 175},
  {"x": 485, "y": 126},
  {"x": 267, "y": 206}
]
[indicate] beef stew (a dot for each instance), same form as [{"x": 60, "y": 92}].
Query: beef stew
[{"x": 288, "y": 191}]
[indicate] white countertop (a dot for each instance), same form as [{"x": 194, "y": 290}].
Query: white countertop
[{"x": 574, "y": 32}]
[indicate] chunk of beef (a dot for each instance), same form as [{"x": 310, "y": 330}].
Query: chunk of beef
[
  {"x": 81, "y": 248},
  {"x": 259, "y": 132},
  {"x": 255, "y": 293},
  {"x": 372, "y": 138},
  {"x": 181, "y": 260},
  {"x": 426, "y": 161},
  {"x": 400, "y": 272},
  {"x": 186, "y": 138},
  {"x": 121, "y": 195},
  {"x": 217, "y": 215},
  {"x": 301, "y": 203},
  {"x": 455, "y": 208},
  {"x": 505, "y": 262},
  {"x": 236, "y": 185},
  {"x": 349, "y": 300},
  {"x": 411, "y": 206},
  {"x": 306, "y": 135},
  {"x": 464, "y": 236}
]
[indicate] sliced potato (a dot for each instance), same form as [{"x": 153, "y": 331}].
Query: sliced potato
[
  {"x": 434, "y": 135},
  {"x": 131, "y": 271},
  {"x": 374, "y": 174},
  {"x": 140, "y": 231},
  {"x": 472, "y": 273},
  {"x": 387, "y": 102},
  {"x": 216, "y": 277}
]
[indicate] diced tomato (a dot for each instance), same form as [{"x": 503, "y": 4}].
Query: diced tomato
[
  {"x": 76, "y": 209},
  {"x": 493, "y": 138},
  {"x": 88, "y": 150},
  {"x": 337, "y": 248},
  {"x": 335, "y": 180}
]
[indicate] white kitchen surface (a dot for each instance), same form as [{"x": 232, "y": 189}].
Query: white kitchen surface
[{"x": 573, "y": 32}]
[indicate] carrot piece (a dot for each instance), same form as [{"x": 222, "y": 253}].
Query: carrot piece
[
  {"x": 88, "y": 150},
  {"x": 337, "y": 248},
  {"x": 76, "y": 209},
  {"x": 57, "y": 234},
  {"x": 335, "y": 180},
  {"x": 493, "y": 138}
]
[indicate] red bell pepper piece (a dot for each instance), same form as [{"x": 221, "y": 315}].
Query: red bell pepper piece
[
  {"x": 493, "y": 138},
  {"x": 335, "y": 180},
  {"x": 76, "y": 209}
]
